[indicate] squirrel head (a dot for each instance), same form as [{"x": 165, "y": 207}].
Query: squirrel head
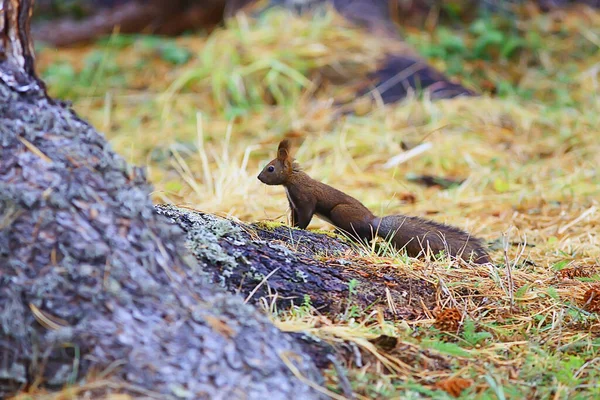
[{"x": 278, "y": 171}]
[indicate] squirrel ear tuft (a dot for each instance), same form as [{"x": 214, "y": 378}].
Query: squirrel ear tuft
[{"x": 283, "y": 151}]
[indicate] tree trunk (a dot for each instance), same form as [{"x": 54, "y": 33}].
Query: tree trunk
[{"x": 92, "y": 278}]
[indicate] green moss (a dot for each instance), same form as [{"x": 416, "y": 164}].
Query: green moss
[
  {"x": 270, "y": 225},
  {"x": 332, "y": 234}
]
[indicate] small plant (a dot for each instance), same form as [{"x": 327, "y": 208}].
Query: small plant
[
  {"x": 485, "y": 39},
  {"x": 470, "y": 334},
  {"x": 352, "y": 285},
  {"x": 167, "y": 50},
  {"x": 501, "y": 55},
  {"x": 303, "y": 310}
]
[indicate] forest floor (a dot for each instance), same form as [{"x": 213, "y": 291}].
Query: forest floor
[{"x": 204, "y": 113}]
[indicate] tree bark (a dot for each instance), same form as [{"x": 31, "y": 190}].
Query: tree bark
[{"x": 92, "y": 278}]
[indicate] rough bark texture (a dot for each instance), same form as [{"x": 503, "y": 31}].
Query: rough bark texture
[
  {"x": 92, "y": 277},
  {"x": 298, "y": 263}
]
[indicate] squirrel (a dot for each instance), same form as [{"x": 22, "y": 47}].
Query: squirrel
[{"x": 307, "y": 196}]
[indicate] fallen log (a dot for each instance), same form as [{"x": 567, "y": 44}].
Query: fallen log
[
  {"x": 286, "y": 266},
  {"x": 93, "y": 19}
]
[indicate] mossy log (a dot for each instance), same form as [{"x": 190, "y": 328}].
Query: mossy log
[
  {"x": 285, "y": 266},
  {"x": 92, "y": 278}
]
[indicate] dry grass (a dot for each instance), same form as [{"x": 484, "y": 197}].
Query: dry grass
[{"x": 205, "y": 128}]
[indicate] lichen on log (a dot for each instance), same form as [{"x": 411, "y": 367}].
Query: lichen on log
[{"x": 284, "y": 265}]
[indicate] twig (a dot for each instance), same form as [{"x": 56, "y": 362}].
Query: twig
[
  {"x": 343, "y": 378},
  {"x": 510, "y": 283},
  {"x": 407, "y": 155},
  {"x": 260, "y": 284},
  {"x": 587, "y": 212},
  {"x": 286, "y": 360}
]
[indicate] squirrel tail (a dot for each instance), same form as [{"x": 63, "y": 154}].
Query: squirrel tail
[{"x": 420, "y": 236}]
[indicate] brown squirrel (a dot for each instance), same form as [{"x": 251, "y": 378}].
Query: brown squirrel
[{"x": 307, "y": 197}]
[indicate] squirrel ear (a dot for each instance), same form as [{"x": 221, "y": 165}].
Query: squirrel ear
[{"x": 283, "y": 151}]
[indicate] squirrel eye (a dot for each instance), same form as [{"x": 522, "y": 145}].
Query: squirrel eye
[{"x": 271, "y": 168}]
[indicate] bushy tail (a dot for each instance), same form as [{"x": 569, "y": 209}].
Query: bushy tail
[{"x": 420, "y": 236}]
